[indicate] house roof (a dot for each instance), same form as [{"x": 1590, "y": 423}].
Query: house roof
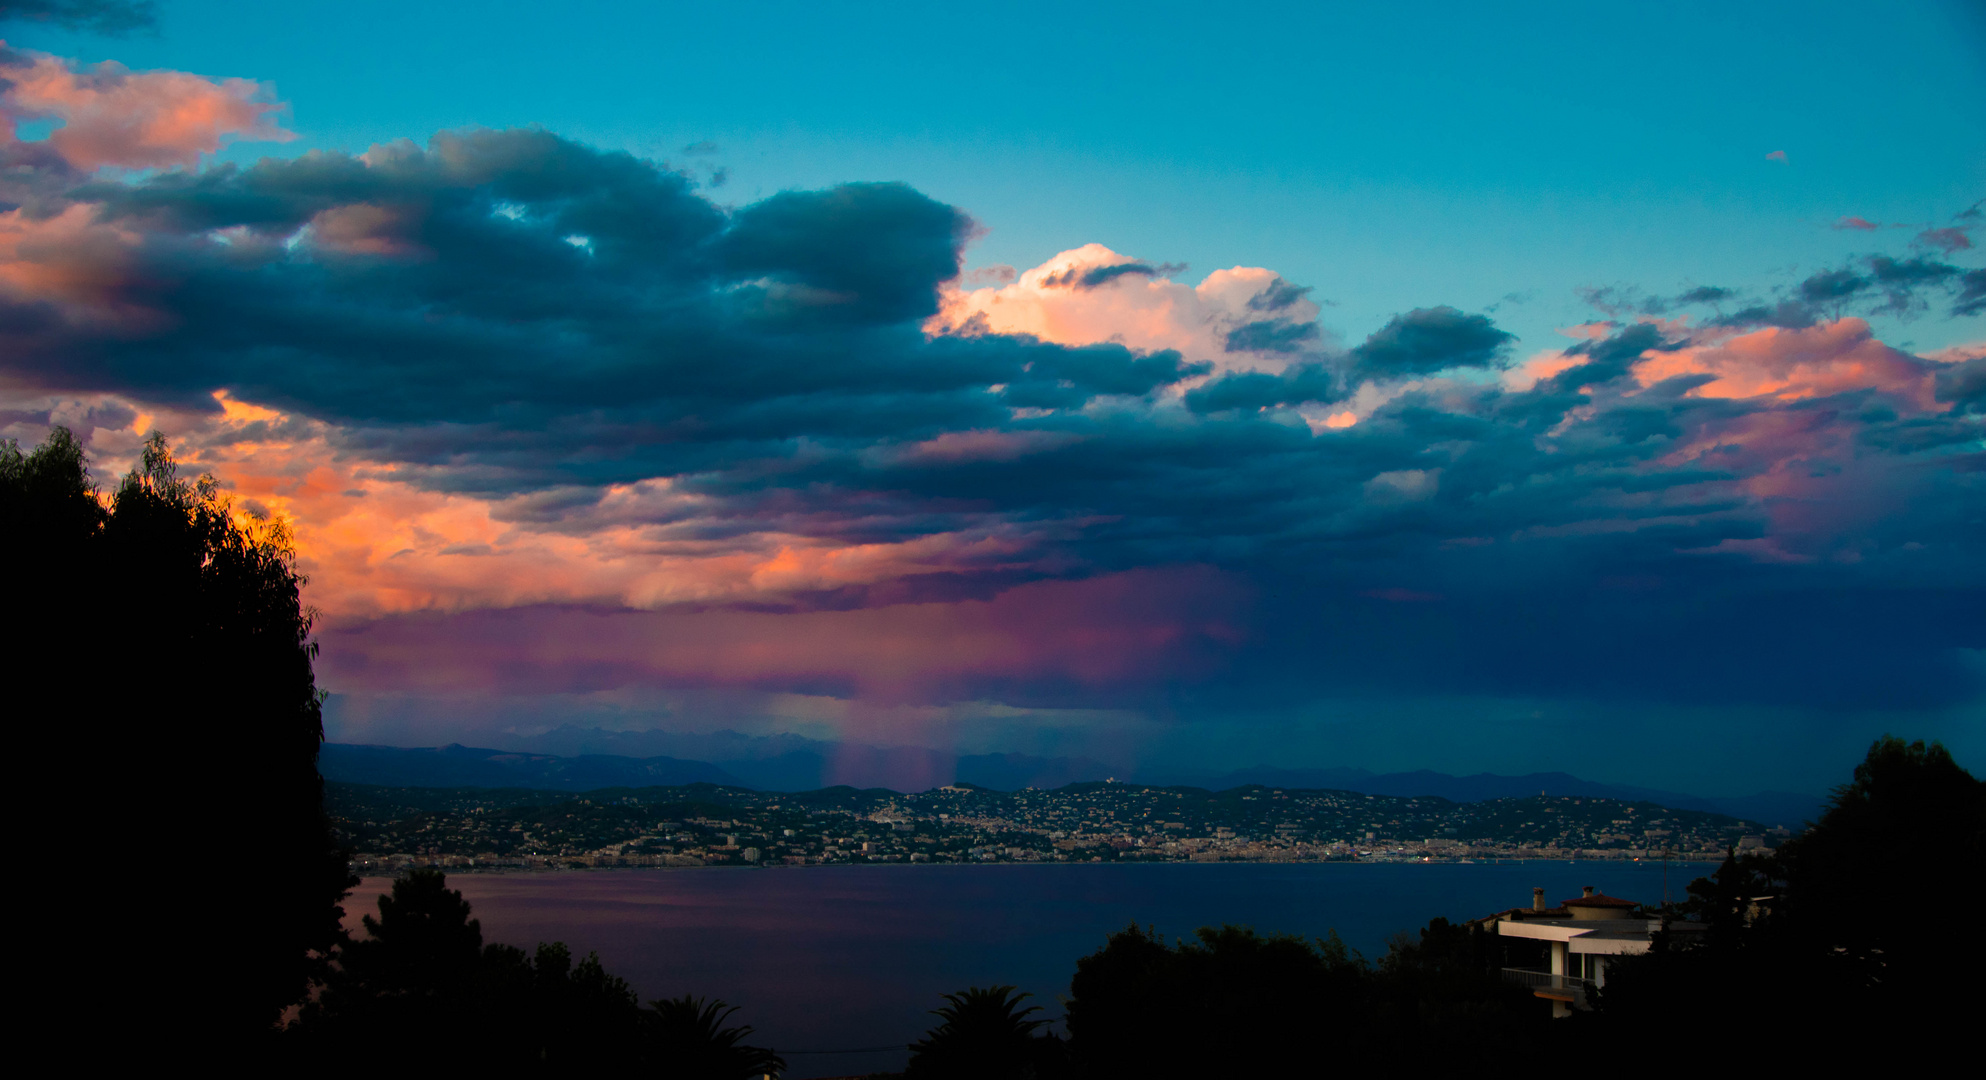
[{"x": 1598, "y": 900}]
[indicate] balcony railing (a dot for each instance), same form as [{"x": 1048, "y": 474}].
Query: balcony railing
[{"x": 1567, "y": 988}]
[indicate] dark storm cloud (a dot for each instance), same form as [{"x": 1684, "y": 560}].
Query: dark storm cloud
[
  {"x": 1298, "y": 385},
  {"x": 1080, "y": 278},
  {"x": 1706, "y": 294},
  {"x": 1964, "y": 386},
  {"x": 1427, "y": 340},
  {"x": 517, "y": 316},
  {"x": 1972, "y": 293},
  {"x": 1872, "y": 285},
  {"x": 95, "y": 16},
  {"x": 1271, "y": 336},
  {"x": 872, "y": 253},
  {"x": 1609, "y": 359},
  {"x": 1279, "y": 296}
]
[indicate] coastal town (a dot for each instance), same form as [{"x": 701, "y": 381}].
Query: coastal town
[{"x": 390, "y": 829}]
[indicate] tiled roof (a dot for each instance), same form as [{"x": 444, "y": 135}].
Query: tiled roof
[{"x": 1598, "y": 900}]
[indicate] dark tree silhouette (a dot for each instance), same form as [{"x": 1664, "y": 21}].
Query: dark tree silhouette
[
  {"x": 167, "y": 657},
  {"x": 1841, "y": 932},
  {"x": 986, "y": 1035},
  {"x": 1443, "y": 993},
  {"x": 1232, "y": 1003},
  {"x": 690, "y": 1038},
  {"x": 420, "y": 986}
]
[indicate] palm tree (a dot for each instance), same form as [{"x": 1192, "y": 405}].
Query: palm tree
[
  {"x": 692, "y": 1041},
  {"x": 986, "y": 1035}
]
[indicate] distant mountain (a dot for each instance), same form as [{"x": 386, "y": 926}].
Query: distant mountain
[
  {"x": 1769, "y": 808},
  {"x": 469, "y": 766},
  {"x": 576, "y": 759},
  {"x": 1012, "y": 772}
]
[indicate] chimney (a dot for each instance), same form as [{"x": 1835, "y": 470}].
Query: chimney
[
  {"x": 1537, "y": 899},
  {"x": 1586, "y": 890}
]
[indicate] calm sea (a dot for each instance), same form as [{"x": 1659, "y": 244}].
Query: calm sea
[{"x": 840, "y": 957}]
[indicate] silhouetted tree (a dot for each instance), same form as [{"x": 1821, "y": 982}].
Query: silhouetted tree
[
  {"x": 1845, "y": 931},
  {"x": 167, "y": 660},
  {"x": 986, "y": 1035},
  {"x": 1231, "y": 1003},
  {"x": 691, "y": 1041},
  {"x": 1443, "y": 994},
  {"x": 1900, "y": 830},
  {"x": 420, "y": 986}
]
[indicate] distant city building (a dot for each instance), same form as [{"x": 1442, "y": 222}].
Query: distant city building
[{"x": 1579, "y": 938}]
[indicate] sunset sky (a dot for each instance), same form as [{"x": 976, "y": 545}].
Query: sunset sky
[{"x": 1398, "y": 386}]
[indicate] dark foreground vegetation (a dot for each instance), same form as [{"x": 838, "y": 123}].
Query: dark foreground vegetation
[{"x": 162, "y": 623}]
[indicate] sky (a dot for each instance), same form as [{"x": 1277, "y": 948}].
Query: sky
[{"x": 1414, "y": 386}]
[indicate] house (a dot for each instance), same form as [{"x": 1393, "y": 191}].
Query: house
[{"x": 1579, "y": 938}]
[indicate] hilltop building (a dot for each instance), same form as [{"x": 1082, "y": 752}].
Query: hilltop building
[{"x": 1578, "y": 939}]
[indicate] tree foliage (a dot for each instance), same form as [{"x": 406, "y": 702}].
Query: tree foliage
[
  {"x": 987, "y": 1035},
  {"x": 1845, "y": 929},
  {"x": 1230, "y": 1002},
  {"x": 167, "y": 644},
  {"x": 420, "y": 986},
  {"x": 690, "y": 1037}
]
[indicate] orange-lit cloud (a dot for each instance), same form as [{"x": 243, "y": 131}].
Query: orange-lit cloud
[
  {"x": 1796, "y": 364},
  {"x": 1142, "y": 310},
  {"x": 374, "y": 542},
  {"x": 113, "y": 116},
  {"x": 86, "y": 267}
]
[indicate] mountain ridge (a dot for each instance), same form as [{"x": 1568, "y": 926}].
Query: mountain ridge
[{"x": 798, "y": 764}]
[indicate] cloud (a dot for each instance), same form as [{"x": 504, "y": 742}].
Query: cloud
[
  {"x": 1795, "y": 365},
  {"x": 1948, "y": 240},
  {"x": 1855, "y": 223},
  {"x": 1866, "y": 285},
  {"x": 527, "y": 402},
  {"x": 135, "y": 120},
  {"x": 1427, "y": 340},
  {"x": 866, "y": 252},
  {"x": 1115, "y": 632},
  {"x": 1239, "y": 319},
  {"x": 97, "y": 16},
  {"x": 1778, "y": 156}
]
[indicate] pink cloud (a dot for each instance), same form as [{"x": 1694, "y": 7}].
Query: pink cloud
[
  {"x": 1946, "y": 240},
  {"x": 956, "y": 447},
  {"x": 1778, "y": 156},
  {"x": 367, "y": 229},
  {"x": 1796, "y": 364},
  {"x": 88, "y": 268},
  {"x": 1856, "y": 223},
  {"x": 113, "y": 116}
]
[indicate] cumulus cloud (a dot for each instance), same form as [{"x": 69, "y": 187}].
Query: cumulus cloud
[
  {"x": 1239, "y": 319},
  {"x": 135, "y": 120},
  {"x": 524, "y": 396}
]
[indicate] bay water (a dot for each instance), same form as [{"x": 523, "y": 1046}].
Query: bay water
[{"x": 842, "y": 958}]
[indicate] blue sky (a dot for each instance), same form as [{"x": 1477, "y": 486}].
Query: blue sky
[{"x": 1454, "y": 387}]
